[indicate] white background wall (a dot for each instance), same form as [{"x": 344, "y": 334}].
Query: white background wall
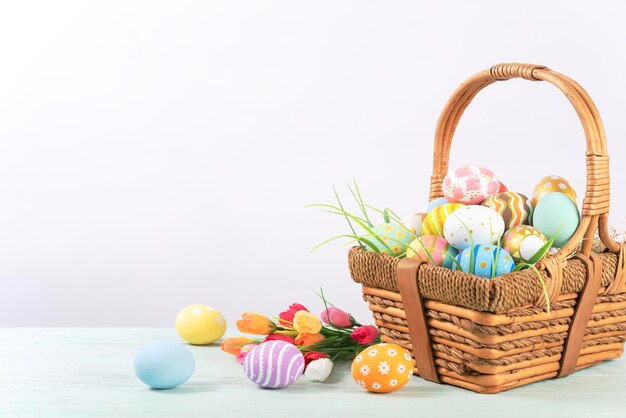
[{"x": 158, "y": 154}]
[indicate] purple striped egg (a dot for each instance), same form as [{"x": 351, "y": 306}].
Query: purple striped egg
[{"x": 274, "y": 364}]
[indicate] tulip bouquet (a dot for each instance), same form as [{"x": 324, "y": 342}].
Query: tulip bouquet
[{"x": 333, "y": 337}]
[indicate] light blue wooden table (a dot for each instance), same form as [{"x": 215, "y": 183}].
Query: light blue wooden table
[{"x": 87, "y": 372}]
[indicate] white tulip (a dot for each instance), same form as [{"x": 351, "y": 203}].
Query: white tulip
[{"x": 319, "y": 369}]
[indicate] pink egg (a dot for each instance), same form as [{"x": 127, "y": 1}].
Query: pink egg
[
  {"x": 432, "y": 249},
  {"x": 470, "y": 184},
  {"x": 274, "y": 364}
]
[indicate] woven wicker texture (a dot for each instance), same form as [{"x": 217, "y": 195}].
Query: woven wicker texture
[{"x": 457, "y": 288}]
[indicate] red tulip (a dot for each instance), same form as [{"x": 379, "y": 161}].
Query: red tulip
[
  {"x": 286, "y": 317},
  {"x": 365, "y": 334},
  {"x": 280, "y": 337}
]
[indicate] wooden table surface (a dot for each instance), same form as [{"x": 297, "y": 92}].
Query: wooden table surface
[{"x": 86, "y": 372}]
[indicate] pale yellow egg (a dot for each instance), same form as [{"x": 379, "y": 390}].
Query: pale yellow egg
[{"x": 200, "y": 324}]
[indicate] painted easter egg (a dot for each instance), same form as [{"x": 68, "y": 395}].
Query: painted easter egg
[
  {"x": 522, "y": 242},
  {"x": 470, "y": 184},
  {"x": 432, "y": 249},
  {"x": 515, "y": 208},
  {"x": 556, "y": 210},
  {"x": 432, "y": 205},
  {"x": 395, "y": 237},
  {"x": 550, "y": 184},
  {"x": 488, "y": 261},
  {"x": 414, "y": 223},
  {"x": 200, "y": 324},
  {"x": 274, "y": 364},
  {"x": 434, "y": 220},
  {"x": 502, "y": 188},
  {"x": 164, "y": 364},
  {"x": 473, "y": 225},
  {"x": 382, "y": 368}
]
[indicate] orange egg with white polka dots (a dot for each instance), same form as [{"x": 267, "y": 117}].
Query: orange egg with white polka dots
[{"x": 382, "y": 368}]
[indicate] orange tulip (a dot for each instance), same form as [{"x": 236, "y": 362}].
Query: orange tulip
[
  {"x": 253, "y": 323},
  {"x": 309, "y": 339},
  {"x": 306, "y": 323},
  {"x": 233, "y": 345}
]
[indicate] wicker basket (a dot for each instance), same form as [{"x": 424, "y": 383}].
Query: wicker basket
[{"x": 491, "y": 335}]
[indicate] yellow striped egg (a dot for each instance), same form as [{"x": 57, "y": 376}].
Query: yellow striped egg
[
  {"x": 515, "y": 208},
  {"x": 436, "y": 218}
]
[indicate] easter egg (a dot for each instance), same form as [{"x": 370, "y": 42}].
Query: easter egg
[
  {"x": 395, "y": 236},
  {"x": 470, "y": 184},
  {"x": 489, "y": 261},
  {"x": 473, "y": 225},
  {"x": 437, "y": 202},
  {"x": 556, "y": 210},
  {"x": 200, "y": 324},
  {"x": 435, "y": 219},
  {"x": 550, "y": 184},
  {"x": 414, "y": 223},
  {"x": 502, "y": 188},
  {"x": 515, "y": 208},
  {"x": 274, "y": 364},
  {"x": 522, "y": 242},
  {"x": 382, "y": 368},
  {"x": 432, "y": 249},
  {"x": 164, "y": 364}
]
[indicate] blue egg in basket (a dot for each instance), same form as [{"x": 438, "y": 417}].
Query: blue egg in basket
[
  {"x": 484, "y": 257},
  {"x": 164, "y": 364}
]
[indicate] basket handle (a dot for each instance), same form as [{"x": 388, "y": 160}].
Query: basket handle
[{"x": 596, "y": 201}]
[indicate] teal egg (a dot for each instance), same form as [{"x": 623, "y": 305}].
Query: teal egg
[
  {"x": 395, "y": 236},
  {"x": 164, "y": 364},
  {"x": 484, "y": 257},
  {"x": 553, "y": 211}
]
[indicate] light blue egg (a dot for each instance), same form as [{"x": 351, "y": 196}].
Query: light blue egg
[
  {"x": 437, "y": 202},
  {"x": 396, "y": 237},
  {"x": 164, "y": 364},
  {"x": 556, "y": 210},
  {"x": 484, "y": 257}
]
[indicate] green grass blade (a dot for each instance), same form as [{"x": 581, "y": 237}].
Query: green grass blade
[{"x": 341, "y": 206}]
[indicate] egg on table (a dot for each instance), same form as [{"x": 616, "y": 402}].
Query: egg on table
[
  {"x": 395, "y": 238},
  {"x": 470, "y": 184},
  {"x": 556, "y": 212},
  {"x": 522, "y": 242},
  {"x": 382, "y": 368},
  {"x": 550, "y": 184},
  {"x": 432, "y": 249},
  {"x": 274, "y": 364},
  {"x": 200, "y": 324},
  {"x": 164, "y": 364},
  {"x": 473, "y": 225},
  {"x": 488, "y": 261},
  {"x": 414, "y": 223},
  {"x": 515, "y": 208},
  {"x": 435, "y": 219}
]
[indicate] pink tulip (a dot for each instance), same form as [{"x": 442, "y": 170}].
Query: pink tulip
[{"x": 337, "y": 317}]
